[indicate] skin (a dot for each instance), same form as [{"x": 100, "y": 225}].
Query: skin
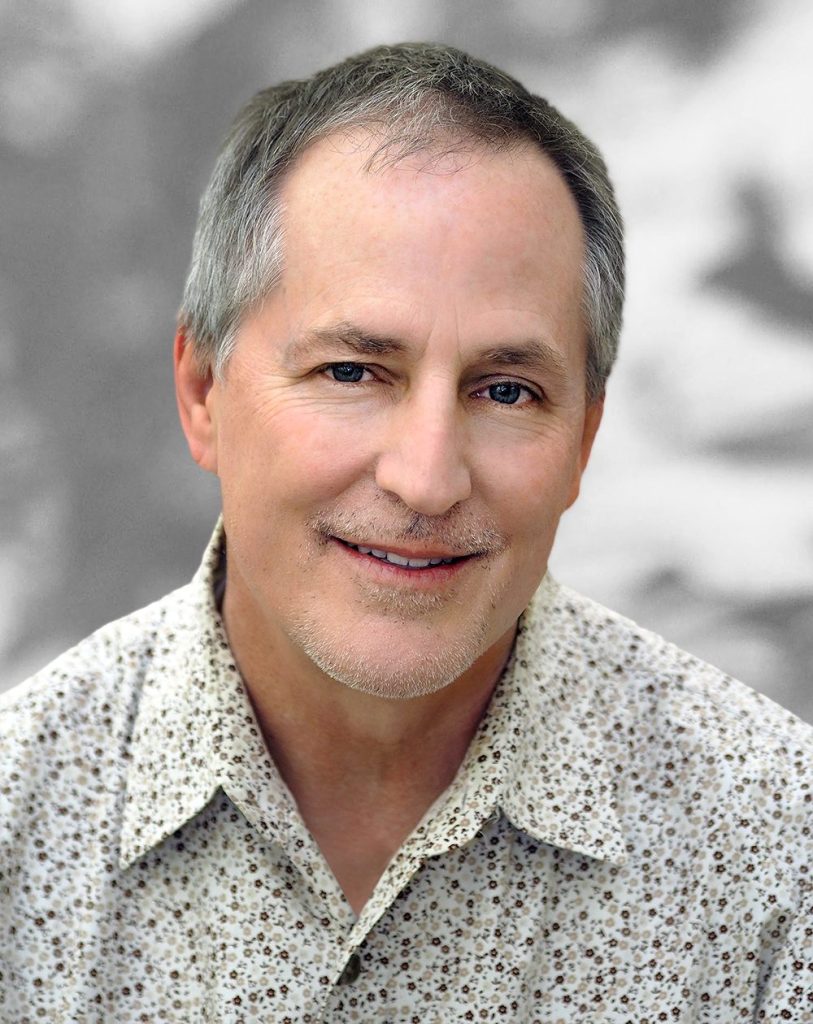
[{"x": 362, "y": 404}]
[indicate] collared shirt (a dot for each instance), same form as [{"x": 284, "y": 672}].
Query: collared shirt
[{"x": 627, "y": 839}]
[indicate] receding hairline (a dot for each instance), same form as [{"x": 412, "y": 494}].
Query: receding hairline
[{"x": 390, "y": 145}]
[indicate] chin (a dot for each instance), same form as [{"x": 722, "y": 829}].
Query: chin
[{"x": 386, "y": 671}]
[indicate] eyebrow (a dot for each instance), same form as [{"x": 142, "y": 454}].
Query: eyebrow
[
  {"x": 348, "y": 336},
  {"x": 532, "y": 354}
]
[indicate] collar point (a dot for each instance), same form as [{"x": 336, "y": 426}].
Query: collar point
[{"x": 601, "y": 840}]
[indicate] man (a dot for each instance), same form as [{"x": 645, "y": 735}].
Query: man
[{"x": 373, "y": 763}]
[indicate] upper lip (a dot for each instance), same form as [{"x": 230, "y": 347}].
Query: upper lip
[{"x": 396, "y": 549}]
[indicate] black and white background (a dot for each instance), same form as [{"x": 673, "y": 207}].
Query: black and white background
[{"x": 696, "y": 516}]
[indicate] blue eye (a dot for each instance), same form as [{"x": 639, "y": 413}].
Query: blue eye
[
  {"x": 346, "y": 373},
  {"x": 507, "y": 392}
]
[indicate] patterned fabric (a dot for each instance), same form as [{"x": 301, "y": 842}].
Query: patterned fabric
[{"x": 628, "y": 839}]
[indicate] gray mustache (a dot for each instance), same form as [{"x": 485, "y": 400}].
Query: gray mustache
[{"x": 448, "y": 532}]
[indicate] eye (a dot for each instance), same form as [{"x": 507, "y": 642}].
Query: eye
[
  {"x": 510, "y": 392},
  {"x": 346, "y": 373}
]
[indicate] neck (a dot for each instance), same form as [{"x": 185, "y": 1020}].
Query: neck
[
  {"x": 363, "y": 769},
  {"x": 324, "y": 735}
]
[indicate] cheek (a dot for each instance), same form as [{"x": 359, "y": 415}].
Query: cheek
[
  {"x": 529, "y": 484},
  {"x": 294, "y": 454}
]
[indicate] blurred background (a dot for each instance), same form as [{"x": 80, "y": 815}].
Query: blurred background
[{"x": 696, "y": 517}]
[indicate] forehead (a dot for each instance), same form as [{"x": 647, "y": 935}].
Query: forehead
[
  {"x": 472, "y": 234},
  {"x": 459, "y": 180}
]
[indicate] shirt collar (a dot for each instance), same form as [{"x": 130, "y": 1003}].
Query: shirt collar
[
  {"x": 195, "y": 729},
  {"x": 538, "y": 754},
  {"x": 558, "y": 786}
]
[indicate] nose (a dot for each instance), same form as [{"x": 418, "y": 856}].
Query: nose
[{"x": 423, "y": 462}]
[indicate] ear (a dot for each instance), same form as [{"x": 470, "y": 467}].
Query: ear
[
  {"x": 592, "y": 419},
  {"x": 195, "y": 390}
]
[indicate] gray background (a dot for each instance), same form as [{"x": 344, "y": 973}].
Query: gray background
[{"x": 697, "y": 513}]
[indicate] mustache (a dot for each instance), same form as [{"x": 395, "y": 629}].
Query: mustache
[{"x": 452, "y": 532}]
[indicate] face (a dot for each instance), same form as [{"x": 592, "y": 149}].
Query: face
[{"x": 403, "y": 421}]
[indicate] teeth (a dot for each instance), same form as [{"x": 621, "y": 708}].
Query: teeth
[{"x": 412, "y": 563}]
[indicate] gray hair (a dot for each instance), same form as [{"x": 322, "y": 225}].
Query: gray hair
[{"x": 412, "y": 98}]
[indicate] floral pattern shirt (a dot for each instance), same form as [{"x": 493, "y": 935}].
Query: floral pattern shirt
[{"x": 628, "y": 839}]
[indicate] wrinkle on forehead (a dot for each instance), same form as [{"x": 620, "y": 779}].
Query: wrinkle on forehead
[{"x": 497, "y": 241}]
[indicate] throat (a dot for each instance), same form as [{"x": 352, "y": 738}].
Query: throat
[{"x": 358, "y": 836}]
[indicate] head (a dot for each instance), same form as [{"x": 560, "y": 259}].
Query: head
[{"x": 402, "y": 311}]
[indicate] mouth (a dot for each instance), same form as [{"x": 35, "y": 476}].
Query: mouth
[{"x": 419, "y": 562}]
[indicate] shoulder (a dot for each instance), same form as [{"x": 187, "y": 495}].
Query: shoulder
[
  {"x": 645, "y": 668},
  {"x": 666, "y": 699},
  {"x": 95, "y": 668},
  {"x": 692, "y": 754},
  {"x": 72, "y": 719}
]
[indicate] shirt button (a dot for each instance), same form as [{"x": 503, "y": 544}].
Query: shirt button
[{"x": 351, "y": 971}]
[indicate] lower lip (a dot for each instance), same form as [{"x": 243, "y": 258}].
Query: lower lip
[{"x": 431, "y": 576}]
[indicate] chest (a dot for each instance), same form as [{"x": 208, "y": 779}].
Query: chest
[{"x": 214, "y": 926}]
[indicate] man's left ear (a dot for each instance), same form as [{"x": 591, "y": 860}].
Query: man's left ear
[
  {"x": 592, "y": 419},
  {"x": 194, "y": 390}
]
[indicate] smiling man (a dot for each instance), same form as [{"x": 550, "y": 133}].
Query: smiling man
[{"x": 373, "y": 763}]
